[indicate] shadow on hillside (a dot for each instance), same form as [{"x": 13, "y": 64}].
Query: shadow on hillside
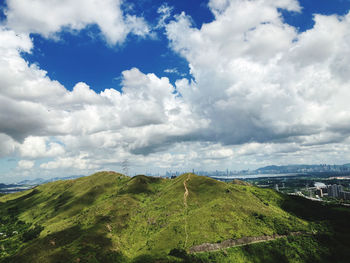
[
  {"x": 26, "y": 196},
  {"x": 15, "y": 206},
  {"x": 140, "y": 184},
  {"x": 68, "y": 201},
  {"x": 73, "y": 244},
  {"x": 329, "y": 223},
  {"x": 315, "y": 211},
  {"x": 92, "y": 194}
]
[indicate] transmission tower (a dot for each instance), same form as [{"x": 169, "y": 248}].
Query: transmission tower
[{"x": 125, "y": 167}]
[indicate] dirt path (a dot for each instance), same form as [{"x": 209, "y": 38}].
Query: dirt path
[
  {"x": 185, "y": 208},
  {"x": 206, "y": 247},
  {"x": 186, "y": 191}
]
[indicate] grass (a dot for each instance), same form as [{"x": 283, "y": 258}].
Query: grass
[{"x": 109, "y": 217}]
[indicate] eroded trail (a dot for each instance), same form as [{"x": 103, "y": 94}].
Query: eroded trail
[
  {"x": 185, "y": 208},
  {"x": 207, "y": 247},
  {"x": 186, "y": 191}
]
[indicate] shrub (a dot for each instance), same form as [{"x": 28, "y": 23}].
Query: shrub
[
  {"x": 144, "y": 259},
  {"x": 32, "y": 233},
  {"x": 178, "y": 252}
]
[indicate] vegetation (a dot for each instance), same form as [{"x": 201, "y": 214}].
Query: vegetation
[{"x": 109, "y": 217}]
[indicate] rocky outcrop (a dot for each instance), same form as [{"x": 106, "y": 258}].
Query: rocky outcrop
[{"x": 236, "y": 242}]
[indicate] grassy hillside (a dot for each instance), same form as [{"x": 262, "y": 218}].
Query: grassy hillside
[{"x": 109, "y": 217}]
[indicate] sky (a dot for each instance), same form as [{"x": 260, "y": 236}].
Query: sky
[{"x": 172, "y": 85}]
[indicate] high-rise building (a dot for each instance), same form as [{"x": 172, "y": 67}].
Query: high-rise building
[
  {"x": 345, "y": 195},
  {"x": 276, "y": 187},
  {"x": 334, "y": 190}
]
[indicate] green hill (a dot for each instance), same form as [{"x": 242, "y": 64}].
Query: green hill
[{"x": 109, "y": 217}]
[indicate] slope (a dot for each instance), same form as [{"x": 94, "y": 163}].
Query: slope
[{"x": 109, "y": 217}]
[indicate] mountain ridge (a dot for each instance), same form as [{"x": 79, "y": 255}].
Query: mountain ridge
[{"x": 108, "y": 217}]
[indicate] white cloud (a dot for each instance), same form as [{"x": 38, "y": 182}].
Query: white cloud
[
  {"x": 220, "y": 6},
  {"x": 36, "y": 147},
  {"x": 7, "y": 145},
  {"x": 49, "y": 17},
  {"x": 11, "y": 42},
  {"x": 165, "y": 12},
  {"x": 25, "y": 164},
  {"x": 79, "y": 162},
  {"x": 174, "y": 71},
  {"x": 171, "y": 70},
  {"x": 253, "y": 100},
  {"x": 41, "y": 119},
  {"x": 254, "y": 88}
]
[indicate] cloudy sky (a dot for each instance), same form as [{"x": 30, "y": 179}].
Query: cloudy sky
[{"x": 172, "y": 85}]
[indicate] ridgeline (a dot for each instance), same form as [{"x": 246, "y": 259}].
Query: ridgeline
[{"x": 109, "y": 217}]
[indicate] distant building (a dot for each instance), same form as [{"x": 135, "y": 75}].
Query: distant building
[
  {"x": 276, "y": 187},
  {"x": 344, "y": 195},
  {"x": 334, "y": 190},
  {"x": 319, "y": 192}
]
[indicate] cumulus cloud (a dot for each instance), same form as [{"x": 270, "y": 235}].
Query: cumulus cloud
[
  {"x": 36, "y": 147},
  {"x": 78, "y": 162},
  {"x": 7, "y": 145},
  {"x": 41, "y": 119},
  {"x": 25, "y": 164},
  {"x": 259, "y": 89},
  {"x": 252, "y": 100},
  {"x": 49, "y": 17}
]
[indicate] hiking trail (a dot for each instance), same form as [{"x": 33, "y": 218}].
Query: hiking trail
[{"x": 185, "y": 208}]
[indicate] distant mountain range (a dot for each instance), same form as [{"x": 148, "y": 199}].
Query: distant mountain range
[
  {"x": 303, "y": 168},
  {"x": 28, "y": 184},
  {"x": 38, "y": 181},
  {"x": 280, "y": 169},
  {"x": 271, "y": 169}
]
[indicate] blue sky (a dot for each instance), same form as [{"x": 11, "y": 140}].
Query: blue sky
[
  {"x": 86, "y": 57},
  {"x": 304, "y": 20},
  {"x": 229, "y": 111}
]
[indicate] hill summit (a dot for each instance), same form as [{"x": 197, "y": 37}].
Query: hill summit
[{"x": 110, "y": 217}]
